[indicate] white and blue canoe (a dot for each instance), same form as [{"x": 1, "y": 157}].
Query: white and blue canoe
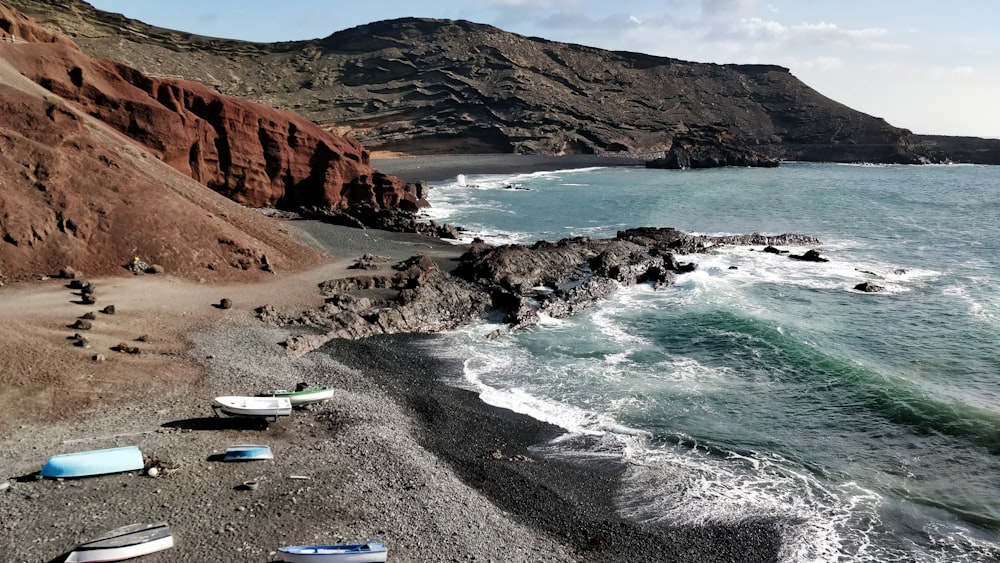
[
  {"x": 369, "y": 552},
  {"x": 93, "y": 462},
  {"x": 247, "y": 452},
  {"x": 123, "y": 543}
]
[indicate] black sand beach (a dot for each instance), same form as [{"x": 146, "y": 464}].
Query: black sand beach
[
  {"x": 446, "y": 167},
  {"x": 572, "y": 502}
]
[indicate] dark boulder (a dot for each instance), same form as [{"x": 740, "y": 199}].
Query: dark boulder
[
  {"x": 68, "y": 273},
  {"x": 809, "y": 256},
  {"x": 869, "y": 287}
]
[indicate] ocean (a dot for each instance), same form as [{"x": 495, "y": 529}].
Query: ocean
[{"x": 759, "y": 386}]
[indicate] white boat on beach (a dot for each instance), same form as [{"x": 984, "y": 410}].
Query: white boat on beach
[
  {"x": 124, "y": 543},
  {"x": 369, "y": 552},
  {"x": 261, "y": 407},
  {"x": 302, "y": 397}
]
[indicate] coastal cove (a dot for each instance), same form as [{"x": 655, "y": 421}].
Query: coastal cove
[
  {"x": 660, "y": 424},
  {"x": 720, "y": 388},
  {"x": 735, "y": 320},
  {"x": 398, "y": 452}
]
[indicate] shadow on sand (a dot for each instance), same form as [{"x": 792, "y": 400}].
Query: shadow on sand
[{"x": 218, "y": 423}]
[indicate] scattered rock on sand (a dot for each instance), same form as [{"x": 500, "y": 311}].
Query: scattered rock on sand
[
  {"x": 68, "y": 273},
  {"x": 225, "y": 303},
  {"x": 126, "y": 348}
]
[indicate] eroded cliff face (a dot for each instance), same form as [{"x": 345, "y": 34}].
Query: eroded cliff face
[
  {"x": 73, "y": 192},
  {"x": 433, "y": 86},
  {"x": 253, "y": 154},
  {"x": 100, "y": 164}
]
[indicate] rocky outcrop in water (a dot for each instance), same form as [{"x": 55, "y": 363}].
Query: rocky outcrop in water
[
  {"x": 809, "y": 256},
  {"x": 396, "y": 219},
  {"x": 423, "y": 299},
  {"x": 518, "y": 282},
  {"x": 869, "y": 287},
  {"x": 710, "y": 147}
]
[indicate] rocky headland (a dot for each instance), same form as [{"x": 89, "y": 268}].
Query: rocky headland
[
  {"x": 425, "y": 86},
  {"x": 515, "y": 282}
]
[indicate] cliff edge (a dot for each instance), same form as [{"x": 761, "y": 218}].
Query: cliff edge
[{"x": 426, "y": 86}]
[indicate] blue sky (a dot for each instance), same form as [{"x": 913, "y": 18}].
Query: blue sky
[{"x": 930, "y": 66}]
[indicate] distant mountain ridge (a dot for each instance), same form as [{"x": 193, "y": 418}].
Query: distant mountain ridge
[{"x": 439, "y": 86}]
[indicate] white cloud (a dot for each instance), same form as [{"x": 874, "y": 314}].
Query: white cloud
[
  {"x": 807, "y": 33},
  {"x": 955, "y": 71},
  {"x": 578, "y": 23},
  {"x": 726, "y": 8},
  {"x": 817, "y": 63},
  {"x": 878, "y": 46}
]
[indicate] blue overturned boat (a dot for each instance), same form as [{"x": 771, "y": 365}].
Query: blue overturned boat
[
  {"x": 247, "y": 452},
  {"x": 93, "y": 462}
]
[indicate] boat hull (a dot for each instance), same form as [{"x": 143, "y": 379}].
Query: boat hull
[
  {"x": 124, "y": 543},
  {"x": 372, "y": 552},
  {"x": 93, "y": 462},
  {"x": 261, "y": 407},
  {"x": 306, "y": 397},
  {"x": 247, "y": 452}
]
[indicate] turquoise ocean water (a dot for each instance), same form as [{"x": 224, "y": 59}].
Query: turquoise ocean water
[{"x": 868, "y": 423}]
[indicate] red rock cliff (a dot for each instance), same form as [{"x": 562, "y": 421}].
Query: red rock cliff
[{"x": 253, "y": 154}]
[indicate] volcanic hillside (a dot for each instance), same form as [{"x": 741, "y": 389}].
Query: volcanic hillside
[
  {"x": 100, "y": 164},
  {"x": 433, "y": 86}
]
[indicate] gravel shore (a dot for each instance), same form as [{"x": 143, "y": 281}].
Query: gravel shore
[{"x": 396, "y": 453}]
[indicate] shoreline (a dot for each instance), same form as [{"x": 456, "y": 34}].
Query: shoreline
[
  {"x": 573, "y": 501},
  {"x": 398, "y": 452},
  {"x": 440, "y": 168}
]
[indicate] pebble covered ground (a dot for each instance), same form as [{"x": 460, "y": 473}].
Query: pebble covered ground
[{"x": 396, "y": 453}]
